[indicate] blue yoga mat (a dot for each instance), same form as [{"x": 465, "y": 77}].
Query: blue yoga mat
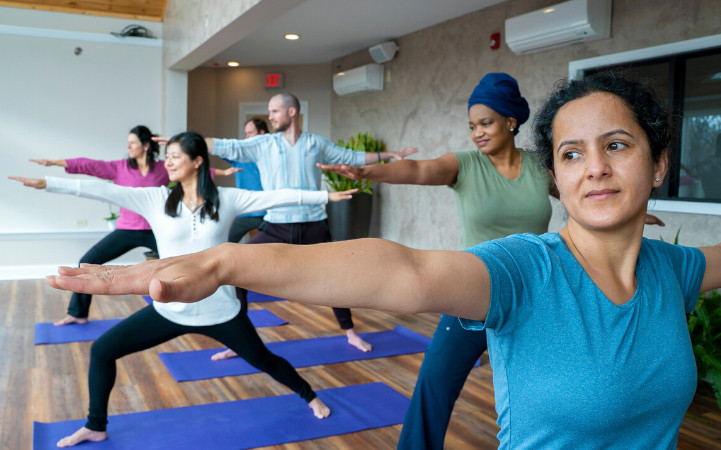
[
  {"x": 256, "y": 297},
  {"x": 47, "y": 333},
  {"x": 253, "y": 297},
  {"x": 241, "y": 424},
  {"x": 197, "y": 365}
]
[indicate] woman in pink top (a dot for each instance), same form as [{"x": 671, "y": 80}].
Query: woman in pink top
[{"x": 132, "y": 231}]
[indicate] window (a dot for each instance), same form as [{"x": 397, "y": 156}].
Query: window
[{"x": 688, "y": 77}]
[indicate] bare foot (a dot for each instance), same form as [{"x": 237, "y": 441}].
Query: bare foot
[
  {"x": 319, "y": 409},
  {"x": 82, "y": 435},
  {"x": 71, "y": 319},
  {"x": 225, "y": 354},
  {"x": 357, "y": 342}
]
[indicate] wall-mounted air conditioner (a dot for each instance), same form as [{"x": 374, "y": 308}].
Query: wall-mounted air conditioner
[
  {"x": 359, "y": 80},
  {"x": 558, "y": 25}
]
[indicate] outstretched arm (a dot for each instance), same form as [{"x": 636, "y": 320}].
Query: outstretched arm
[
  {"x": 376, "y": 157},
  {"x": 50, "y": 162},
  {"x": 432, "y": 172},
  {"x": 332, "y": 274},
  {"x": 712, "y": 276}
]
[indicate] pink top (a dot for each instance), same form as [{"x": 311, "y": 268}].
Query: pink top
[{"x": 120, "y": 173}]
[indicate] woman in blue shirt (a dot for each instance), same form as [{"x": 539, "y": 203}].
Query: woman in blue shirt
[{"x": 586, "y": 328}]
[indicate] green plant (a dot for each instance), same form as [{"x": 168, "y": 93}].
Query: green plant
[
  {"x": 360, "y": 143},
  {"x": 113, "y": 215},
  {"x": 706, "y": 339}
]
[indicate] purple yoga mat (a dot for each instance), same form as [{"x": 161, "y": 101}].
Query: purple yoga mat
[
  {"x": 47, "y": 333},
  {"x": 241, "y": 424},
  {"x": 253, "y": 297},
  {"x": 197, "y": 365}
]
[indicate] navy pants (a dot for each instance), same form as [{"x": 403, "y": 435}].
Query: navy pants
[
  {"x": 112, "y": 246},
  {"x": 449, "y": 359},
  {"x": 146, "y": 328},
  {"x": 241, "y": 226},
  {"x": 298, "y": 233}
]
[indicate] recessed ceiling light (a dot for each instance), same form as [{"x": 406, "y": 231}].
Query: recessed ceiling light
[
  {"x": 233, "y": 64},
  {"x": 292, "y": 37}
]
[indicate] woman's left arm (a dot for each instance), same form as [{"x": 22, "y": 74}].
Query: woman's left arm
[
  {"x": 244, "y": 201},
  {"x": 712, "y": 276},
  {"x": 358, "y": 273}
]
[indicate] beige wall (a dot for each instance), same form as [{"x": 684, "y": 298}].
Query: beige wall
[
  {"x": 424, "y": 103},
  {"x": 214, "y": 96}
]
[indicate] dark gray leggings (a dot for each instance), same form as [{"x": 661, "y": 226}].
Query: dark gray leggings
[
  {"x": 146, "y": 328},
  {"x": 114, "y": 245},
  {"x": 298, "y": 233}
]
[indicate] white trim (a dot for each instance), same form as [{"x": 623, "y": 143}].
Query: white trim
[
  {"x": 79, "y": 36},
  {"x": 34, "y": 272},
  {"x": 576, "y": 67},
  {"x": 679, "y": 206},
  {"x": 53, "y": 235}
]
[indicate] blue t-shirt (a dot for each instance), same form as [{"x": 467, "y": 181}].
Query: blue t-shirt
[
  {"x": 248, "y": 179},
  {"x": 573, "y": 370}
]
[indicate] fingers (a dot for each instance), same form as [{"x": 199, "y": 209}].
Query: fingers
[
  {"x": 36, "y": 183},
  {"x": 162, "y": 140}
]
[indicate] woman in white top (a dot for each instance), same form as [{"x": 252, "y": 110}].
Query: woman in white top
[
  {"x": 587, "y": 328},
  {"x": 194, "y": 215}
]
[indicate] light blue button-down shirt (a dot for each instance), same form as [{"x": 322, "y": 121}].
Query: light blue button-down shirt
[{"x": 284, "y": 166}]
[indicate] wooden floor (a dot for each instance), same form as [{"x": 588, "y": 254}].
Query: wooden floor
[{"x": 47, "y": 383}]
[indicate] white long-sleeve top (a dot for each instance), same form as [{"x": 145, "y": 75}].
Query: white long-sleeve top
[{"x": 186, "y": 233}]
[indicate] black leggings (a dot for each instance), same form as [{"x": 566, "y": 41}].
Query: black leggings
[
  {"x": 112, "y": 246},
  {"x": 146, "y": 328},
  {"x": 298, "y": 233}
]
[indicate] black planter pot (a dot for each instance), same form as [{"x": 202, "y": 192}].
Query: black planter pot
[{"x": 350, "y": 219}]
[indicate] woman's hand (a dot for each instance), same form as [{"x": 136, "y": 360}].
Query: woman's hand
[
  {"x": 43, "y": 162},
  {"x": 352, "y": 172},
  {"x": 161, "y": 140},
  {"x": 341, "y": 195},
  {"x": 227, "y": 172},
  {"x": 403, "y": 153},
  {"x": 653, "y": 220},
  {"x": 50, "y": 162},
  {"x": 37, "y": 183},
  {"x": 186, "y": 278}
]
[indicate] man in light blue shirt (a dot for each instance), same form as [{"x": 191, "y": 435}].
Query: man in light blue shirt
[{"x": 288, "y": 158}]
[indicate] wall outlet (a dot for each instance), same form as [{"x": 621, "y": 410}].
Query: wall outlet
[{"x": 81, "y": 223}]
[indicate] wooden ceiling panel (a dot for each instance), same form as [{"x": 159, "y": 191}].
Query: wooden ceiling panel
[{"x": 128, "y": 9}]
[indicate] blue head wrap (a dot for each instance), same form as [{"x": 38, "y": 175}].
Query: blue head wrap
[{"x": 499, "y": 91}]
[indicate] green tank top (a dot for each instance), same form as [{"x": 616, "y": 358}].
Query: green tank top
[{"x": 491, "y": 206}]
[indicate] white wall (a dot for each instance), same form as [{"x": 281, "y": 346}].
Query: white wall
[{"x": 54, "y": 104}]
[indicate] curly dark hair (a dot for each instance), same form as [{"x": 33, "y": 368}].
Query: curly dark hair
[{"x": 649, "y": 111}]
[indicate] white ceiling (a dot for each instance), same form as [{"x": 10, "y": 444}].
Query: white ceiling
[{"x": 330, "y": 29}]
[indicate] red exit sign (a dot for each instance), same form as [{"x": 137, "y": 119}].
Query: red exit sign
[{"x": 274, "y": 80}]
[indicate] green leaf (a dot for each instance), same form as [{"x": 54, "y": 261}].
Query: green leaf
[{"x": 359, "y": 143}]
